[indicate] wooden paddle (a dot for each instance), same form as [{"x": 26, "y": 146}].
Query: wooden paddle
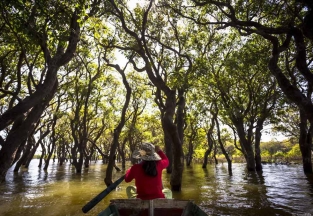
[{"x": 101, "y": 195}]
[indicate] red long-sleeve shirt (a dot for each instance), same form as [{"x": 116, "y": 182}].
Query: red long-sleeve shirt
[{"x": 148, "y": 187}]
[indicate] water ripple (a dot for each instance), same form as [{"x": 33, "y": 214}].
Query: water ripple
[{"x": 278, "y": 190}]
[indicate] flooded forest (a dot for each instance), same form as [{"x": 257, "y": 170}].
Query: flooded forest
[{"x": 84, "y": 82}]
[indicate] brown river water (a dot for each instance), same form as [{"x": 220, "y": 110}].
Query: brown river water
[{"x": 278, "y": 190}]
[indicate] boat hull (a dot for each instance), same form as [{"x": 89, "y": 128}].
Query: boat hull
[{"x": 138, "y": 207}]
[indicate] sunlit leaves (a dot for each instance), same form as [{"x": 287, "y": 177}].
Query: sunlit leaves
[{"x": 187, "y": 46}]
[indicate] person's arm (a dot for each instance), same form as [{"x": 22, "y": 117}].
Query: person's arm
[
  {"x": 164, "y": 160},
  {"x": 129, "y": 175}
]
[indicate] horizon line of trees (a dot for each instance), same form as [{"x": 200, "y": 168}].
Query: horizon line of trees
[{"x": 273, "y": 151}]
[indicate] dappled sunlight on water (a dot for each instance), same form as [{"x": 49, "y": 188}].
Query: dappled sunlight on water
[{"x": 279, "y": 190}]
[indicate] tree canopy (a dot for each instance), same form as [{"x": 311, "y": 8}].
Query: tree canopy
[{"x": 86, "y": 79}]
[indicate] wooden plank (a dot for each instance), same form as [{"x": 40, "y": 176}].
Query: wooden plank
[
  {"x": 111, "y": 210},
  {"x": 188, "y": 209},
  {"x": 193, "y": 210},
  {"x": 144, "y": 204},
  {"x": 106, "y": 212},
  {"x": 138, "y": 207},
  {"x": 145, "y": 212}
]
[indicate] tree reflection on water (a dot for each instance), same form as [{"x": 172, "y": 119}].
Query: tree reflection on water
[{"x": 278, "y": 190}]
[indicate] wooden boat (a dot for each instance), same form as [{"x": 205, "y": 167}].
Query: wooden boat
[{"x": 163, "y": 207}]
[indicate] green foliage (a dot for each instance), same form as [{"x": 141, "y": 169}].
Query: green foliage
[
  {"x": 284, "y": 150},
  {"x": 199, "y": 152},
  {"x": 266, "y": 154},
  {"x": 294, "y": 152},
  {"x": 210, "y": 65},
  {"x": 279, "y": 154},
  {"x": 276, "y": 146}
]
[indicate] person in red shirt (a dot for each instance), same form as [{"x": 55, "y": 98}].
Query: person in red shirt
[{"x": 148, "y": 173}]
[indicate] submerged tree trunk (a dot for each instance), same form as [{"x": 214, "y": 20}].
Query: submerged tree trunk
[
  {"x": 88, "y": 157},
  {"x": 190, "y": 143},
  {"x": 214, "y": 155},
  {"x": 226, "y": 154},
  {"x": 31, "y": 155},
  {"x": 180, "y": 118},
  {"x": 292, "y": 93},
  {"x": 77, "y": 151},
  {"x": 257, "y": 157},
  {"x": 103, "y": 156},
  {"x": 108, "y": 174},
  {"x": 26, "y": 151},
  {"x": 247, "y": 145},
  {"x": 241, "y": 148},
  {"x": 53, "y": 137},
  {"x": 167, "y": 137},
  {"x": 114, "y": 163},
  {"x": 121, "y": 151},
  {"x": 206, "y": 155},
  {"x": 176, "y": 176},
  {"x": 43, "y": 152},
  {"x": 168, "y": 147},
  {"x": 33, "y": 151},
  {"x": 210, "y": 141},
  {"x": 33, "y": 105},
  {"x": 62, "y": 153},
  {"x": 305, "y": 142},
  {"x": 19, "y": 152},
  {"x": 189, "y": 155},
  {"x": 18, "y": 135},
  {"x": 123, "y": 160},
  {"x": 116, "y": 134}
]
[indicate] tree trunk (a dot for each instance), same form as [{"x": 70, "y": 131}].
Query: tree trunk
[
  {"x": 168, "y": 147},
  {"x": 33, "y": 151},
  {"x": 294, "y": 94},
  {"x": 114, "y": 164},
  {"x": 108, "y": 174},
  {"x": 121, "y": 148},
  {"x": 229, "y": 161},
  {"x": 190, "y": 144},
  {"x": 258, "y": 134},
  {"x": 23, "y": 159},
  {"x": 79, "y": 164},
  {"x": 43, "y": 152},
  {"x": 118, "y": 129},
  {"x": 88, "y": 157},
  {"x": 176, "y": 176},
  {"x": 31, "y": 155},
  {"x": 190, "y": 148},
  {"x": 305, "y": 142},
  {"x": 247, "y": 147},
  {"x": 19, "y": 152},
  {"x": 53, "y": 138},
  {"x": 78, "y": 147},
  {"x": 122, "y": 153},
  {"x": 214, "y": 156},
  {"x": 47, "y": 159},
  {"x": 103, "y": 156},
  {"x": 76, "y": 150},
  {"x": 189, "y": 156},
  {"x": 37, "y": 101},
  {"x": 205, "y": 160},
  {"x": 180, "y": 115},
  {"x": 210, "y": 141},
  {"x": 17, "y": 136},
  {"x": 87, "y": 160},
  {"x": 62, "y": 154}
]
